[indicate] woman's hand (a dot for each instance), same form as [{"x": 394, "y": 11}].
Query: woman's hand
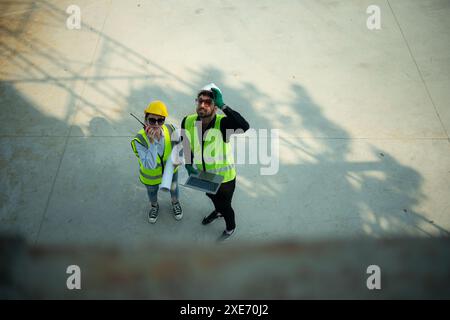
[
  {"x": 149, "y": 132},
  {"x": 157, "y": 132},
  {"x": 153, "y": 133}
]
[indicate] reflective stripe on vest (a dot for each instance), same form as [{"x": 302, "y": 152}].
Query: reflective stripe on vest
[
  {"x": 229, "y": 167},
  {"x": 142, "y": 140},
  {"x": 150, "y": 177}
]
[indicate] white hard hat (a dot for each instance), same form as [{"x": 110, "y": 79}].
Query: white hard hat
[{"x": 209, "y": 86}]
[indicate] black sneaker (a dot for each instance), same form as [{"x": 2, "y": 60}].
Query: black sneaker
[
  {"x": 177, "y": 211},
  {"x": 153, "y": 213},
  {"x": 225, "y": 235},
  {"x": 212, "y": 216}
]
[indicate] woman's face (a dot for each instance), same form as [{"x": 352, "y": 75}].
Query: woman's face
[{"x": 154, "y": 120}]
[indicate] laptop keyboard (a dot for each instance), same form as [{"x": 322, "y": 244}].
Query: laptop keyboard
[{"x": 194, "y": 182}]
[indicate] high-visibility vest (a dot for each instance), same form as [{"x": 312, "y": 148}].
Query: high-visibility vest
[
  {"x": 154, "y": 176},
  {"x": 213, "y": 155}
]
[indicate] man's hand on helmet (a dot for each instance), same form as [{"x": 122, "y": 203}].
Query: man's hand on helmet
[{"x": 218, "y": 99}]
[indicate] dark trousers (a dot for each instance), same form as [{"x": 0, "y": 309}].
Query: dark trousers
[{"x": 222, "y": 203}]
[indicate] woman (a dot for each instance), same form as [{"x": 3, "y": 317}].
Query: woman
[{"x": 153, "y": 146}]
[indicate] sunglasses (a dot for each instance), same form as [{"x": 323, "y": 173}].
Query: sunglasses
[
  {"x": 154, "y": 121},
  {"x": 208, "y": 102}
]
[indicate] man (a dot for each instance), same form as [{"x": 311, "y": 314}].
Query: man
[
  {"x": 153, "y": 146},
  {"x": 211, "y": 154}
]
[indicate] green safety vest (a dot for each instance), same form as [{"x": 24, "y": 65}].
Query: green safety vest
[
  {"x": 154, "y": 176},
  {"x": 214, "y": 155}
]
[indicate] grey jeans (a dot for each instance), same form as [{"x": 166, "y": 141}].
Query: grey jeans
[{"x": 174, "y": 192}]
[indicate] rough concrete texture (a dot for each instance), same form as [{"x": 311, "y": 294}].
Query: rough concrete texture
[{"x": 363, "y": 116}]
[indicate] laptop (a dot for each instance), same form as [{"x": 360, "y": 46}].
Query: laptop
[{"x": 204, "y": 181}]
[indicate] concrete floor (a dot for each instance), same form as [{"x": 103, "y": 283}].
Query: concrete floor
[{"x": 363, "y": 115}]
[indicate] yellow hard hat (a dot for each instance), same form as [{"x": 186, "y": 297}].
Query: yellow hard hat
[{"x": 157, "y": 107}]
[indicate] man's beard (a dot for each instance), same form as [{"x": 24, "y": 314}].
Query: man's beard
[{"x": 205, "y": 114}]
